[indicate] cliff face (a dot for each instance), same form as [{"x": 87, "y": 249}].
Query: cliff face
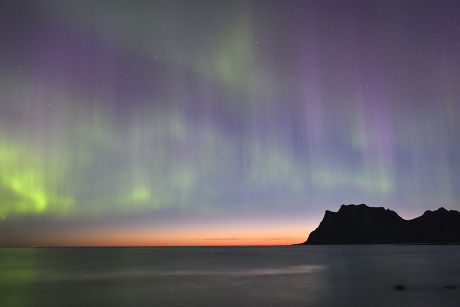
[
  {"x": 360, "y": 224},
  {"x": 440, "y": 226}
]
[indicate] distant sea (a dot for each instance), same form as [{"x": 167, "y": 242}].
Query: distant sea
[{"x": 362, "y": 275}]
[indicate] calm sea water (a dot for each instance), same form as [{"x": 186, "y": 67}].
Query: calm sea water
[{"x": 231, "y": 276}]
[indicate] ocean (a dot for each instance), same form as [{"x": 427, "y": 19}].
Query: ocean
[{"x": 360, "y": 275}]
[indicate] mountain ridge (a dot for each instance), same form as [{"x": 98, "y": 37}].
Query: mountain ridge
[{"x": 361, "y": 224}]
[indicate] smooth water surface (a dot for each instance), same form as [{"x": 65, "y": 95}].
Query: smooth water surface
[{"x": 231, "y": 276}]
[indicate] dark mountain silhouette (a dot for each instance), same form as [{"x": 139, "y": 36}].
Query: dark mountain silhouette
[{"x": 360, "y": 224}]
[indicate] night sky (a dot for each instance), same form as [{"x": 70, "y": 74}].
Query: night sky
[{"x": 222, "y": 122}]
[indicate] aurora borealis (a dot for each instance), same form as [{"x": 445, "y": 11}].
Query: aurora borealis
[{"x": 201, "y": 122}]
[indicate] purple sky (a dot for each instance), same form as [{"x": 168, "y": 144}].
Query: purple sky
[{"x": 161, "y": 116}]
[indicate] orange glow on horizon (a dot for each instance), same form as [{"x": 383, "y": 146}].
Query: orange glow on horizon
[{"x": 196, "y": 237}]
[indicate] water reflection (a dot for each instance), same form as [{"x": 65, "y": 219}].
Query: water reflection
[{"x": 228, "y": 276}]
